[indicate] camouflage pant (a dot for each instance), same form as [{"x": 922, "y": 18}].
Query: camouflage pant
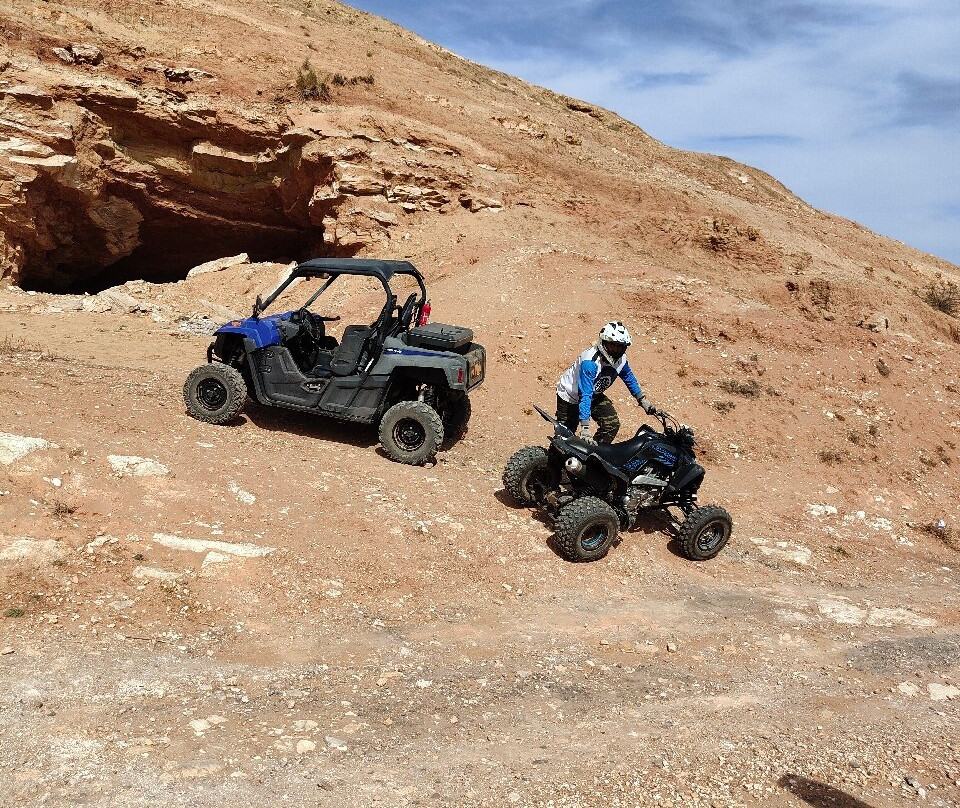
[{"x": 603, "y": 412}]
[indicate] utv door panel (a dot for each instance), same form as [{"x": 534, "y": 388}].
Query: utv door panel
[
  {"x": 283, "y": 382},
  {"x": 348, "y": 399}
]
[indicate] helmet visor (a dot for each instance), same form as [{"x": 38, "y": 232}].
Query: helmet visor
[{"x": 614, "y": 349}]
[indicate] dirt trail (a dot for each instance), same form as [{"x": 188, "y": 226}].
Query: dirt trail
[{"x": 278, "y": 609}]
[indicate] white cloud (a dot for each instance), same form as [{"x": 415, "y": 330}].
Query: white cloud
[{"x": 853, "y": 105}]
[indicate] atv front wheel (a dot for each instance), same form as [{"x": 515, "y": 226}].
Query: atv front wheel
[
  {"x": 528, "y": 476},
  {"x": 214, "y": 393},
  {"x": 586, "y": 529},
  {"x": 704, "y": 532},
  {"x": 411, "y": 432}
]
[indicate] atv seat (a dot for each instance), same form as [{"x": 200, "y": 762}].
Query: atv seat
[
  {"x": 347, "y": 355},
  {"x": 617, "y": 454}
]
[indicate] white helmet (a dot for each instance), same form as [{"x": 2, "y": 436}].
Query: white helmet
[{"x": 615, "y": 332}]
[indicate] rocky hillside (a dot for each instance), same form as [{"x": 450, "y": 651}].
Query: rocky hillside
[{"x": 215, "y": 615}]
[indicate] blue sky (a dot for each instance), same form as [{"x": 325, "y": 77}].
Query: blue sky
[{"x": 854, "y": 105}]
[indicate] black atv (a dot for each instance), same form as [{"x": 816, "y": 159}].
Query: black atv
[
  {"x": 593, "y": 491},
  {"x": 409, "y": 376}
]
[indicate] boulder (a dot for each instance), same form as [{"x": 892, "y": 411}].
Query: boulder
[
  {"x": 219, "y": 264},
  {"x": 874, "y": 321}
]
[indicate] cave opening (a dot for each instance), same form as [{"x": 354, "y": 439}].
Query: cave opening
[{"x": 169, "y": 248}]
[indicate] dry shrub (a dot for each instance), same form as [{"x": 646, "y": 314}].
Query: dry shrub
[
  {"x": 883, "y": 368},
  {"x": 12, "y": 345},
  {"x": 723, "y": 407},
  {"x": 941, "y": 530},
  {"x": 831, "y": 457},
  {"x": 309, "y": 87},
  {"x": 944, "y": 296},
  {"x": 820, "y": 292},
  {"x": 749, "y": 389},
  {"x": 719, "y": 235},
  {"x": 59, "y": 509}
]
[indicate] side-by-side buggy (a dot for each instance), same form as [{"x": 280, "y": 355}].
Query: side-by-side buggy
[{"x": 409, "y": 376}]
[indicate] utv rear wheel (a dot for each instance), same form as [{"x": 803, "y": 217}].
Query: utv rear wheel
[
  {"x": 586, "y": 529},
  {"x": 214, "y": 393},
  {"x": 704, "y": 532},
  {"x": 456, "y": 415},
  {"x": 411, "y": 432},
  {"x": 527, "y": 477}
]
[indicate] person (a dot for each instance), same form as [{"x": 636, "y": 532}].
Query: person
[{"x": 581, "y": 389}]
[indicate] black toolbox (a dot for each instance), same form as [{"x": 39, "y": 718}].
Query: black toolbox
[{"x": 440, "y": 337}]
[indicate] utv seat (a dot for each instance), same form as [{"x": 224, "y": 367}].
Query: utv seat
[
  {"x": 322, "y": 366},
  {"x": 347, "y": 355}
]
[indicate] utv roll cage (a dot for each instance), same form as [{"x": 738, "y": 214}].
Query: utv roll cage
[{"x": 333, "y": 268}]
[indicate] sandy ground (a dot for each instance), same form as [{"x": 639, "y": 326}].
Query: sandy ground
[{"x": 273, "y": 609}]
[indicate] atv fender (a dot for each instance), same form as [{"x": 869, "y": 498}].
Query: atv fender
[{"x": 693, "y": 474}]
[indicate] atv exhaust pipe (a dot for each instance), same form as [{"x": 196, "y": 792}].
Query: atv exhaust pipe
[{"x": 573, "y": 466}]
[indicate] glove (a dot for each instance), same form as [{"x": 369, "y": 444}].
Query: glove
[
  {"x": 647, "y": 405},
  {"x": 584, "y": 433}
]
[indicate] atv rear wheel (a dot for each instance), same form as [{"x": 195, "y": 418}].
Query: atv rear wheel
[
  {"x": 704, "y": 532},
  {"x": 214, "y": 393},
  {"x": 586, "y": 529},
  {"x": 527, "y": 477},
  {"x": 411, "y": 432}
]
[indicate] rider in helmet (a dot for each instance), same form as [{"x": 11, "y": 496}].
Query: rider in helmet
[{"x": 580, "y": 391}]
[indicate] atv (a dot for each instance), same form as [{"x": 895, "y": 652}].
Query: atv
[
  {"x": 593, "y": 491},
  {"x": 409, "y": 376}
]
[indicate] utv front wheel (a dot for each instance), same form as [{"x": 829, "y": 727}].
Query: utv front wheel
[
  {"x": 704, "y": 532},
  {"x": 214, "y": 393},
  {"x": 527, "y": 477},
  {"x": 586, "y": 529},
  {"x": 411, "y": 432}
]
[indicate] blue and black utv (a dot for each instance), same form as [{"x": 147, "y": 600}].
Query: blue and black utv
[{"x": 409, "y": 376}]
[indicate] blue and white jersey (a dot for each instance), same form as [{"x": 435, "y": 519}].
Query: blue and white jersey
[{"x": 591, "y": 374}]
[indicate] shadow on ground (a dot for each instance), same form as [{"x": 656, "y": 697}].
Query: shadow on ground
[
  {"x": 308, "y": 425},
  {"x": 819, "y": 795}
]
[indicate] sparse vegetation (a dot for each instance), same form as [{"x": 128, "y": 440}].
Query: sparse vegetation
[
  {"x": 883, "y": 368},
  {"x": 944, "y": 296},
  {"x": 942, "y": 531},
  {"x": 14, "y": 612},
  {"x": 799, "y": 262},
  {"x": 748, "y": 389},
  {"x": 309, "y": 87},
  {"x": 59, "y": 509},
  {"x": 12, "y": 345},
  {"x": 821, "y": 292},
  {"x": 831, "y": 457},
  {"x": 719, "y": 235},
  {"x": 723, "y": 407}
]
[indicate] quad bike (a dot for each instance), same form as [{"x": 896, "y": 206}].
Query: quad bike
[{"x": 593, "y": 491}]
